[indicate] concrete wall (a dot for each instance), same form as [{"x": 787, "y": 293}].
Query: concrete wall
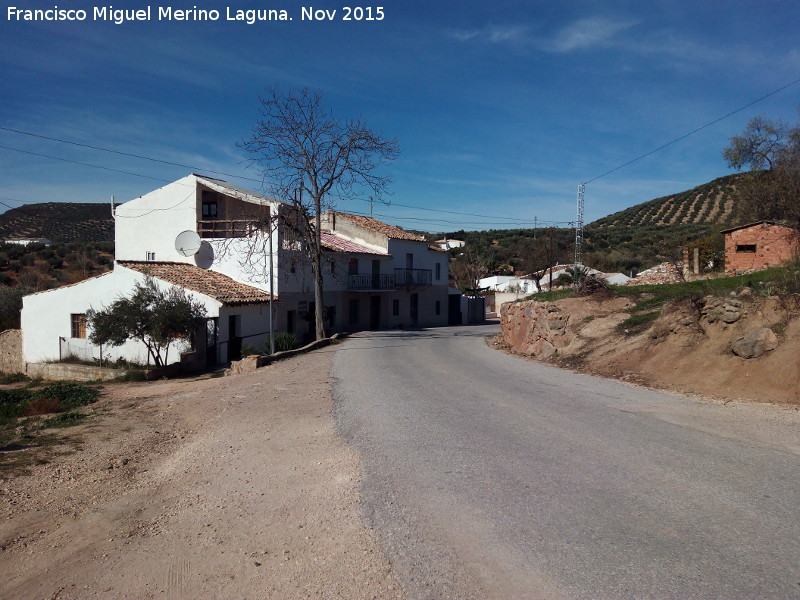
[
  {"x": 11, "y": 351},
  {"x": 774, "y": 245},
  {"x": 68, "y": 372}
]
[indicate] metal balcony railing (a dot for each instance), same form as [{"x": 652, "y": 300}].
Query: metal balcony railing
[
  {"x": 362, "y": 281},
  {"x": 219, "y": 228},
  {"x": 413, "y": 276}
]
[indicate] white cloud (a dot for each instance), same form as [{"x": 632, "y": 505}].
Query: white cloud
[
  {"x": 586, "y": 33},
  {"x": 494, "y": 34}
]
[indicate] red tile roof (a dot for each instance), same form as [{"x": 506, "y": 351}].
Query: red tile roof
[
  {"x": 331, "y": 241},
  {"x": 389, "y": 231},
  {"x": 213, "y": 284}
]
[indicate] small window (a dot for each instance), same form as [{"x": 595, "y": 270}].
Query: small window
[
  {"x": 333, "y": 267},
  {"x": 438, "y": 272},
  {"x": 151, "y": 256},
  {"x": 353, "y": 311},
  {"x": 751, "y": 248},
  {"x": 438, "y": 307},
  {"x": 395, "y": 308},
  {"x": 78, "y": 322}
]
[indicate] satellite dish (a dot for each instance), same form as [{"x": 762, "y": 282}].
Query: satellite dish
[
  {"x": 205, "y": 256},
  {"x": 187, "y": 243}
]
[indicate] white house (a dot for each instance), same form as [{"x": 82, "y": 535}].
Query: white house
[
  {"x": 212, "y": 239},
  {"x": 448, "y": 244},
  {"x": 508, "y": 283}
]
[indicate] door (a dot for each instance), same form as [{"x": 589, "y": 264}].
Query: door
[
  {"x": 374, "y": 312},
  {"x": 234, "y": 338},
  {"x": 376, "y": 274},
  {"x": 454, "y": 309},
  {"x": 212, "y": 337}
]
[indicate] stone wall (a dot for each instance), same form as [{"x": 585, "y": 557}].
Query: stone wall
[
  {"x": 534, "y": 328},
  {"x": 11, "y": 351}
]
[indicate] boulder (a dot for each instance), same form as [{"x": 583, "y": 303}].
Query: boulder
[{"x": 755, "y": 343}]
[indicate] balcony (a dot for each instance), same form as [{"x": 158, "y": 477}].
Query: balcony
[
  {"x": 413, "y": 277},
  {"x": 219, "y": 228},
  {"x": 364, "y": 282}
]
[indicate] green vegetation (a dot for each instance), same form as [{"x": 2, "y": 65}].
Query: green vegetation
[
  {"x": 33, "y": 268},
  {"x": 152, "y": 315},
  {"x": 59, "y": 221},
  {"x": 22, "y": 422},
  {"x": 638, "y": 321}
]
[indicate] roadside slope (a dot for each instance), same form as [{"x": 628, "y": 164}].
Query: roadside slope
[{"x": 687, "y": 347}]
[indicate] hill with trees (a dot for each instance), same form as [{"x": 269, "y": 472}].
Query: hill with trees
[{"x": 59, "y": 221}]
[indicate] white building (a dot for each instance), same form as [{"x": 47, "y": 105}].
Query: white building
[
  {"x": 448, "y": 244},
  {"x": 508, "y": 283},
  {"x": 212, "y": 239}
]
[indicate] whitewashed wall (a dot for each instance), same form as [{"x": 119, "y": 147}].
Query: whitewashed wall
[{"x": 46, "y": 316}]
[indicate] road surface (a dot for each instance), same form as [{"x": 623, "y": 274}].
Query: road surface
[{"x": 490, "y": 476}]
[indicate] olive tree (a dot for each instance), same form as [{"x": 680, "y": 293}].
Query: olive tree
[
  {"x": 152, "y": 315},
  {"x": 771, "y": 190},
  {"x": 308, "y": 158}
]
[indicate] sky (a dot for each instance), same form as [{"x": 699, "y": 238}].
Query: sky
[{"x": 501, "y": 109}]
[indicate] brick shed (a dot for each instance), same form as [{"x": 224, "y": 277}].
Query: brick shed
[{"x": 760, "y": 245}]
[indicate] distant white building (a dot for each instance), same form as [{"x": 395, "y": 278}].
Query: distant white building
[
  {"x": 448, "y": 244},
  {"x": 26, "y": 241},
  {"x": 508, "y": 283}
]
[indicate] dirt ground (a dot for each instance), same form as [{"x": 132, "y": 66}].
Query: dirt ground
[{"x": 234, "y": 487}]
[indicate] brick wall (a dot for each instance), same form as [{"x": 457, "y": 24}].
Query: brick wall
[{"x": 759, "y": 246}]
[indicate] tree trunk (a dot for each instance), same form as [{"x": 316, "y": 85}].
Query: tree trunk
[{"x": 316, "y": 269}]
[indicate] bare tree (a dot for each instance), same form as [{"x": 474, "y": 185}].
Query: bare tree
[{"x": 308, "y": 158}]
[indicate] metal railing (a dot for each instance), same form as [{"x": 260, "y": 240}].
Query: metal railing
[
  {"x": 364, "y": 281},
  {"x": 413, "y": 276},
  {"x": 219, "y": 228}
]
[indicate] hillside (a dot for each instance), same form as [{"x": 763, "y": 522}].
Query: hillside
[
  {"x": 629, "y": 240},
  {"x": 59, "y": 221},
  {"x": 710, "y": 203}
]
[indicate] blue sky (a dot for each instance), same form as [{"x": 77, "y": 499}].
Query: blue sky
[{"x": 500, "y": 108}]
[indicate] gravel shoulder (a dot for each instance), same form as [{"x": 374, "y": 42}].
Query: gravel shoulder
[{"x": 233, "y": 487}]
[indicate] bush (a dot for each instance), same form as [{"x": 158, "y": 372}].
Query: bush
[
  {"x": 70, "y": 394},
  {"x": 283, "y": 341}
]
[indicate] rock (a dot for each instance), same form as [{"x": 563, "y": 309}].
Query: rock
[
  {"x": 731, "y": 316},
  {"x": 755, "y": 343}
]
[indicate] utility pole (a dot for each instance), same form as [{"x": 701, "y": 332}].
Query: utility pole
[
  {"x": 579, "y": 233},
  {"x": 535, "y": 219}
]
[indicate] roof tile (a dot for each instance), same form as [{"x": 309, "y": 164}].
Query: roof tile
[{"x": 213, "y": 284}]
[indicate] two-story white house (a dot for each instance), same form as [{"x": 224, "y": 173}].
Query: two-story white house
[{"x": 213, "y": 239}]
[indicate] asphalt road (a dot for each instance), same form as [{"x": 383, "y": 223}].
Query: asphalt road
[{"x": 489, "y": 476}]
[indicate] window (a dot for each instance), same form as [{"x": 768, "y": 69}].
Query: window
[
  {"x": 746, "y": 248},
  {"x": 209, "y": 210},
  {"x": 438, "y": 307},
  {"x": 395, "y": 308},
  {"x": 352, "y": 266},
  {"x": 333, "y": 267},
  {"x": 291, "y": 316},
  {"x": 151, "y": 256},
  {"x": 438, "y": 272},
  {"x": 78, "y": 322},
  {"x": 353, "y": 311}
]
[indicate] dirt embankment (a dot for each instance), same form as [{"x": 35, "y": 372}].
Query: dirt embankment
[
  {"x": 220, "y": 488},
  {"x": 735, "y": 347}
]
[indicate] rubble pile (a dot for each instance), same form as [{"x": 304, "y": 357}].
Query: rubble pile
[{"x": 660, "y": 274}]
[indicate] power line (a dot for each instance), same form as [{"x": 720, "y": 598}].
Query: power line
[
  {"x": 129, "y": 154},
  {"x": 85, "y": 164},
  {"x": 678, "y": 139}
]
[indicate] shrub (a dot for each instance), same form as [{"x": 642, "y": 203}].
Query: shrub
[
  {"x": 70, "y": 394},
  {"x": 283, "y": 341}
]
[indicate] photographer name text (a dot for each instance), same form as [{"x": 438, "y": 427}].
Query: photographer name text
[{"x": 119, "y": 16}]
